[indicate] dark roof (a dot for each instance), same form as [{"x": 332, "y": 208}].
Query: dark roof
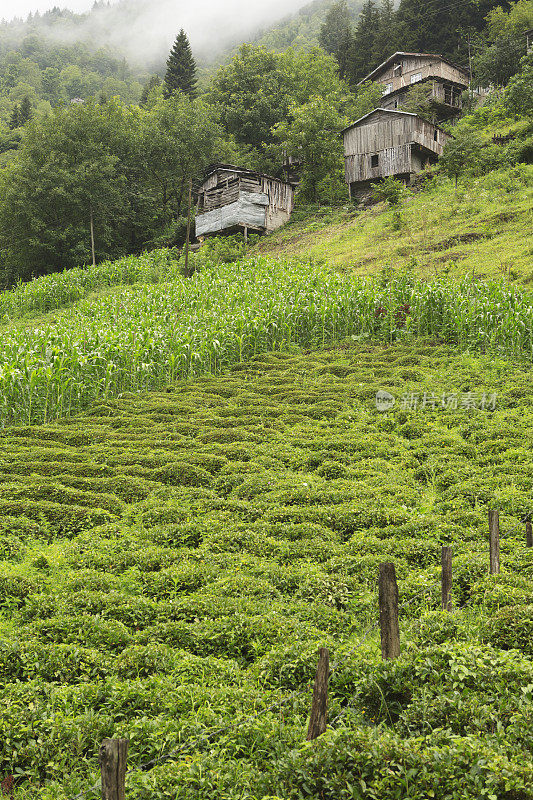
[
  {"x": 387, "y": 61},
  {"x": 390, "y": 111},
  {"x": 212, "y": 168}
]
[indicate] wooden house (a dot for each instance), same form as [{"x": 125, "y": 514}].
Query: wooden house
[
  {"x": 445, "y": 81},
  {"x": 234, "y": 199},
  {"x": 386, "y": 142}
]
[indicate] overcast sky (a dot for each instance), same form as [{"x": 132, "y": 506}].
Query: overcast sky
[{"x": 20, "y": 8}]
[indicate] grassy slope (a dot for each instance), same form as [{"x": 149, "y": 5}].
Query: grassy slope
[
  {"x": 484, "y": 228},
  {"x": 239, "y": 523}
]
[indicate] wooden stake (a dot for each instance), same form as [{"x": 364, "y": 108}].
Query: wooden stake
[
  {"x": 446, "y": 579},
  {"x": 388, "y": 611},
  {"x": 188, "y": 239},
  {"x": 319, "y": 707},
  {"x": 494, "y": 542},
  {"x": 113, "y": 757}
]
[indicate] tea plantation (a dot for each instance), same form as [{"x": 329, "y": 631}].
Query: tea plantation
[{"x": 171, "y": 562}]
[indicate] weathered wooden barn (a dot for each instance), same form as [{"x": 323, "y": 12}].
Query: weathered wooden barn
[
  {"x": 446, "y": 81},
  {"x": 234, "y": 199},
  {"x": 386, "y": 142}
]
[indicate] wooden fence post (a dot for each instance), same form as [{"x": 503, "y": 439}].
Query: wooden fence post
[
  {"x": 494, "y": 542},
  {"x": 388, "y": 611},
  {"x": 113, "y": 757},
  {"x": 446, "y": 579},
  {"x": 529, "y": 534},
  {"x": 319, "y": 707}
]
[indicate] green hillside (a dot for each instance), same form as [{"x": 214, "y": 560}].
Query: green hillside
[
  {"x": 301, "y": 29},
  {"x": 173, "y": 561},
  {"x": 483, "y": 228},
  {"x": 205, "y": 461}
]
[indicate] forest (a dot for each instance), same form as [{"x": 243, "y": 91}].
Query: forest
[{"x": 114, "y": 146}]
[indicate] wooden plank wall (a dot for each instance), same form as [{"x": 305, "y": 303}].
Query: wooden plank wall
[
  {"x": 385, "y": 130},
  {"x": 392, "y": 161},
  {"x": 429, "y": 68},
  {"x": 223, "y": 188}
]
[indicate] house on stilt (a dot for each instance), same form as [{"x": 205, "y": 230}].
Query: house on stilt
[
  {"x": 389, "y": 143},
  {"x": 233, "y": 199}
]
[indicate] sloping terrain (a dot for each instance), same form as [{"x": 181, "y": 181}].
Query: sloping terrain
[
  {"x": 172, "y": 562},
  {"x": 482, "y": 228}
]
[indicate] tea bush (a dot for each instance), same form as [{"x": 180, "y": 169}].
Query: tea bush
[{"x": 173, "y": 560}]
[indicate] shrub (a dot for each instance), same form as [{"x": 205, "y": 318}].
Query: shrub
[{"x": 512, "y": 628}]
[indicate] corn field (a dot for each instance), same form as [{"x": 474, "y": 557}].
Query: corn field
[{"x": 162, "y": 328}]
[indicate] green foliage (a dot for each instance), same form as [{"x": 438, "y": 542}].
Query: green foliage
[
  {"x": 390, "y": 190},
  {"x": 126, "y": 169},
  {"x": 467, "y": 153},
  {"x": 256, "y": 91},
  {"x": 312, "y": 134},
  {"x": 512, "y": 627},
  {"x": 256, "y": 507}
]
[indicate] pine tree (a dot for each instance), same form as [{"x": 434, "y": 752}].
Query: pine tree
[
  {"x": 25, "y": 113},
  {"x": 14, "y": 122},
  {"x": 154, "y": 82},
  {"x": 336, "y": 34},
  {"x": 181, "y": 68},
  {"x": 385, "y": 43},
  {"x": 362, "y": 59}
]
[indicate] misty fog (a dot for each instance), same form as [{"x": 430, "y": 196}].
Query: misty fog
[{"x": 143, "y": 30}]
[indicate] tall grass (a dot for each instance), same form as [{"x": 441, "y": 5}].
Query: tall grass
[
  {"x": 152, "y": 334},
  {"x": 63, "y": 288}
]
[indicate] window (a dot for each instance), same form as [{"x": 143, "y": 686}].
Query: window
[
  {"x": 416, "y": 77},
  {"x": 387, "y": 89},
  {"x": 436, "y": 135},
  {"x": 397, "y": 70},
  {"x": 374, "y": 161}
]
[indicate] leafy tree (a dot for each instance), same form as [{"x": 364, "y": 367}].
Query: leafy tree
[
  {"x": 518, "y": 95},
  {"x": 312, "y": 134},
  {"x": 181, "y": 68},
  {"x": 336, "y": 34},
  {"x": 465, "y": 154},
  {"x": 499, "y": 62},
  {"x": 68, "y": 171},
  {"x": 255, "y": 91},
  {"x": 418, "y": 100},
  {"x": 180, "y": 138},
  {"x": 251, "y": 95}
]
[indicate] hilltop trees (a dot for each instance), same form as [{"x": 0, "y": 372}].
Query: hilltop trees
[
  {"x": 119, "y": 170},
  {"x": 336, "y": 34},
  {"x": 256, "y": 91},
  {"x": 181, "y": 68},
  {"x": 360, "y": 45},
  {"x": 311, "y": 133}
]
